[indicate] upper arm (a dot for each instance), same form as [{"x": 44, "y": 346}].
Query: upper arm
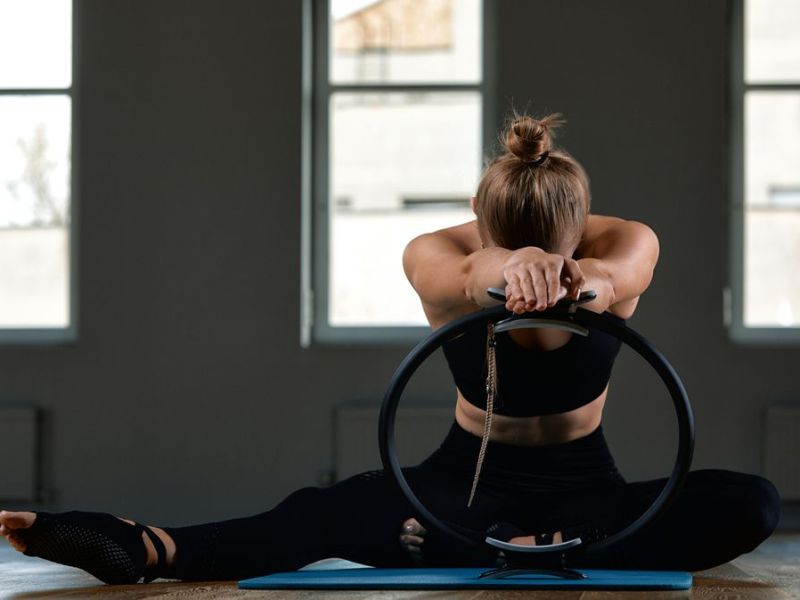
[
  {"x": 626, "y": 252},
  {"x": 434, "y": 264}
]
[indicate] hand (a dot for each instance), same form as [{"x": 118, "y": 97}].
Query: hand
[{"x": 536, "y": 280}]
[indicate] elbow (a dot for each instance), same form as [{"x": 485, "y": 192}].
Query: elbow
[
  {"x": 648, "y": 240},
  {"x": 607, "y": 295},
  {"x": 469, "y": 284}
]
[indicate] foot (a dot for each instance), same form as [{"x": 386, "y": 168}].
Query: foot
[
  {"x": 507, "y": 532},
  {"x": 11, "y": 522},
  {"x": 412, "y": 537},
  {"x": 84, "y": 540}
]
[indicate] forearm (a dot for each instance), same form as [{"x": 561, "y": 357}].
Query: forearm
[
  {"x": 484, "y": 269},
  {"x": 532, "y": 278},
  {"x": 619, "y": 263},
  {"x": 598, "y": 279}
]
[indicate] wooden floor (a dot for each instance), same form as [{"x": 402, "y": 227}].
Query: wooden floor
[{"x": 772, "y": 571}]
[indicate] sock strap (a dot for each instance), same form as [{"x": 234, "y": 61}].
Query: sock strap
[
  {"x": 543, "y": 539},
  {"x": 154, "y": 572}
]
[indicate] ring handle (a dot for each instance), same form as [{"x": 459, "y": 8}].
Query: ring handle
[
  {"x": 517, "y": 323},
  {"x": 569, "y": 317},
  {"x": 533, "y": 549}
]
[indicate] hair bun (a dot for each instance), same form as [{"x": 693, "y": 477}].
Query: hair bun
[{"x": 528, "y": 139}]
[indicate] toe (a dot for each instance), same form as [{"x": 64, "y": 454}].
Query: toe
[
  {"x": 16, "y": 543},
  {"x": 16, "y": 520}
]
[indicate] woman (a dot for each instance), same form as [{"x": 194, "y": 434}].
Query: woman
[{"x": 529, "y": 409}]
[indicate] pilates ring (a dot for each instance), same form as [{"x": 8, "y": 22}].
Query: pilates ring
[{"x": 563, "y": 316}]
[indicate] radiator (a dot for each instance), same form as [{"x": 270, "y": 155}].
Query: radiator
[
  {"x": 782, "y": 450},
  {"x": 18, "y": 447},
  {"x": 420, "y": 430}
]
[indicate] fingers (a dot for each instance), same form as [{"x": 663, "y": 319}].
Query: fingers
[
  {"x": 411, "y": 540},
  {"x": 412, "y": 526},
  {"x": 412, "y": 533},
  {"x": 553, "y": 285},
  {"x": 576, "y": 279},
  {"x": 515, "y": 297},
  {"x": 563, "y": 292},
  {"x": 538, "y": 280},
  {"x": 529, "y": 293},
  {"x": 540, "y": 290},
  {"x": 526, "y": 293},
  {"x": 532, "y": 291}
]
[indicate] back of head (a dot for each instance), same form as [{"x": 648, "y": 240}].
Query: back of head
[{"x": 533, "y": 194}]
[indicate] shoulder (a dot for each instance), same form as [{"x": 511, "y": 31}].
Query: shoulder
[
  {"x": 624, "y": 253},
  {"x": 605, "y": 233},
  {"x": 453, "y": 241},
  {"x": 434, "y": 264}
]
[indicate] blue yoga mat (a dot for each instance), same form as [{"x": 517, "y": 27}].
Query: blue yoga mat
[{"x": 439, "y": 579}]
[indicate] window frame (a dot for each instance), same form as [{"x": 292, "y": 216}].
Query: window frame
[
  {"x": 733, "y": 295},
  {"x": 52, "y": 336},
  {"x": 315, "y": 228}
]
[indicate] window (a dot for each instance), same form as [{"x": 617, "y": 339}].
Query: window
[
  {"x": 765, "y": 273},
  {"x": 35, "y": 171},
  {"x": 397, "y": 131}
]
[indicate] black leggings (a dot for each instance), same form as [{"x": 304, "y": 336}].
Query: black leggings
[{"x": 573, "y": 487}]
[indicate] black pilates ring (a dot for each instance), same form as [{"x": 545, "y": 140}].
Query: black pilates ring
[{"x": 581, "y": 317}]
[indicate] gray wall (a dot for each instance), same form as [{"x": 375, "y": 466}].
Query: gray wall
[{"x": 188, "y": 396}]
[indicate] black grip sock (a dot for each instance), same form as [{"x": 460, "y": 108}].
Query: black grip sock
[{"x": 101, "y": 544}]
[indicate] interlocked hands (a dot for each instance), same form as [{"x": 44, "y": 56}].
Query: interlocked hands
[{"x": 536, "y": 280}]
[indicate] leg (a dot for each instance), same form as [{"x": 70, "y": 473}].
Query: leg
[
  {"x": 717, "y": 516},
  {"x": 112, "y": 549},
  {"x": 312, "y": 523},
  {"x": 355, "y": 519}
]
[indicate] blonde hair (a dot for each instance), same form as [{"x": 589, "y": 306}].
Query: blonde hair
[{"x": 533, "y": 194}]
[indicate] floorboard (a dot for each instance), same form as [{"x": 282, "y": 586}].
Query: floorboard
[{"x": 771, "y": 572}]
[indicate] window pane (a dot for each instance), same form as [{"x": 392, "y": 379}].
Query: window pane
[
  {"x": 35, "y": 43},
  {"x": 401, "y": 164},
  {"x": 772, "y": 41},
  {"x": 34, "y": 211},
  {"x": 405, "y": 41},
  {"x": 772, "y": 209}
]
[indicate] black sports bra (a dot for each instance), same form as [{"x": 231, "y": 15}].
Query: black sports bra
[{"x": 533, "y": 382}]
